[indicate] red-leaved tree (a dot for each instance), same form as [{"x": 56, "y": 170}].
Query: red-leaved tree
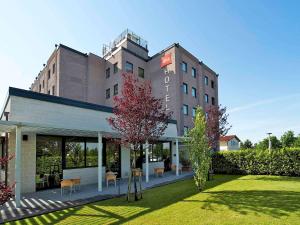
[
  {"x": 6, "y": 191},
  {"x": 138, "y": 116},
  {"x": 216, "y": 125}
]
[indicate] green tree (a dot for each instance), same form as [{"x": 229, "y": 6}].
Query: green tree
[
  {"x": 288, "y": 139},
  {"x": 247, "y": 144},
  {"x": 197, "y": 144},
  {"x": 297, "y": 141},
  {"x": 264, "y": 144}
]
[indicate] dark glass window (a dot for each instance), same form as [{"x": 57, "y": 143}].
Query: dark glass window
[
  {"x": 40, "y": 88},
  {"x": 185, "y": 110},
  {"x": 53, "y": 90},
  {"x": 48, "y": 161},
  {"x": 116, "y": 89},
  {"x": 194, "y": 72},
  {"x": 185, "y": 130},
  {"x": 159, "y": 151},
  {"x": 53, "y": 68},
  {"x": 107, "y": 73},
  {"x": 48, "y": 92},
  {"x": 129, "y": 67},
  {"x": 185, "y": 88},
  {"x": 213, "y": 101},
  {"x": 184, "y": 66},
  {"x": 91, "y": 153},
  {"x": 49, "y": 74},
  {"x": 43, "y": 83},
  {"x": 141, "y": 72},
  {"x": 116, "y": 69},
  {"x": 74, "y": 152},
  {"x": 206, "y": 80},
  {"x": 206, "y": 98},
  {"x": 108, "y": 93},
  {"x": 212, "y": 84},
  {"x": 194, "y": 112},
  {"x": 194, "y": 92}
]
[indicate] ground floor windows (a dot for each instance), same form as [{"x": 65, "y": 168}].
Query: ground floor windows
[
  {"x": 48, "y": 161},
  {"x": 74, "y": 153}
]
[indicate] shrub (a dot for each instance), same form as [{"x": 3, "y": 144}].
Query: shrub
[{"x": 285, "y": 162}]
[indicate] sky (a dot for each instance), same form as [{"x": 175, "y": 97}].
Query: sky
[{"x": 254, "y": 46}]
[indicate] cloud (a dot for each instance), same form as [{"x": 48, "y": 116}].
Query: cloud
[{"x": 263, "y": 102}]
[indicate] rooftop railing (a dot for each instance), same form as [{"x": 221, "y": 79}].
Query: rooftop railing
[{"x": 127, "y": 34}]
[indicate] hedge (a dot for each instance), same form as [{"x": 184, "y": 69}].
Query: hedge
[{"x": 285, "y": 162}]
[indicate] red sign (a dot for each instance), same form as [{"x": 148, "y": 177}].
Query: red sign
[{"x": 165, "y": 60}]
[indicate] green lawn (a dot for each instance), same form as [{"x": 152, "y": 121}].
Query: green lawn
[{"x": 226, "y": 200}]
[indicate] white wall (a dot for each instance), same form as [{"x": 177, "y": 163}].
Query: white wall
[
  {"x": 86, "y": 175},
  {"x": 233, "y": 144}
]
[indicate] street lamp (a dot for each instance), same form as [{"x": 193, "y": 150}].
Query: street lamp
[{"x": 270, "y": 143}]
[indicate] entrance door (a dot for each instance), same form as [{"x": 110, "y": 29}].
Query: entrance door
[{"x": 113, "y": 157}]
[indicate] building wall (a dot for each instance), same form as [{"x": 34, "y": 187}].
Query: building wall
[{"x": 83, "y": 77}]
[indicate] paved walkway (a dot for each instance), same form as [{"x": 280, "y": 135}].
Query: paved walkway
[{"x": 51, "y": 200}]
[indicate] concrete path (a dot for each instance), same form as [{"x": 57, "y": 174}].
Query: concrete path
[{"x": 51, "y": 200}]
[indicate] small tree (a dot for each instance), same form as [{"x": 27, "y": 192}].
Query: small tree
[
  {"x": 197, "y": 144},
  {"x": 247, "y": 144},
  {"x": 217, "y": 125},
  {"x": 138, "y": 117},
  {"x": 6, "y": 191},
  {"x": 288, "y": 139}
]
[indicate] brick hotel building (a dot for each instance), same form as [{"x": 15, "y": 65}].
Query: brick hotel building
[
  {"x": 58, "y": 130},
  {"x": 90, "y": 78}
]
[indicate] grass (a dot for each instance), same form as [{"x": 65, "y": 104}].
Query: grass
[{"x": 226, "y": 200}]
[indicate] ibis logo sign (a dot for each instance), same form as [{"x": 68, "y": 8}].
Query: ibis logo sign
[{"x": 166, "y": 60}]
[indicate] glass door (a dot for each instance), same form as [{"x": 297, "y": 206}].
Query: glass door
[{"x": 113, "y": 157}]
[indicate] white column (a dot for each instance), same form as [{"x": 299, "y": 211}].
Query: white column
[
  {"x": 147, "y": 161},
  {"x": 18, "y": 166},
  {"x": 100, "y": 148},
  {"x": 177, "y": 158}
]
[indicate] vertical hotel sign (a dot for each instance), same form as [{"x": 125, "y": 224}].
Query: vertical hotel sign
[{"x": 164, "y": 62}]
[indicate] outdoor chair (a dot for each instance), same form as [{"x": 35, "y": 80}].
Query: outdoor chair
[
  {"x": 159, "y": 171},
  {"x": 40, "y": 181},
  {"x": 173, "y": 167},
  {"x": 111, "y": 176},
  {"x": 67, "y": 183},
  {"x": 76, "y": 183}
]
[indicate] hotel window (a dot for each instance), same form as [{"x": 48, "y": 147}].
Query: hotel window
[
  {"x": 74, "y": 152},
  {"x": 53, "y": 90},
  {"x": 40, "y": 88},
  {"x": 116, "y": 68},
  {"x": 194, "y": 112},
  {"x": 129, "y": 67},
  {"x": 158, "y": 152},
  {"x": 107, "y": 73},
  {"x": 49, "y": 92},
  {"x": 91, "y": 153},
  {"x": 212, "y": 84},
  {"x": 53, "y": 68},
  {"x": 185, "y": 88},
  {"x": 185, "y": 109},
  {"x": 49, "y": 74},
  {"x": 212, "y": 100},
  {"x": 141, "y": 72},
  {"x": 206, "y": 98},
  {"x": 108, "y": 93},
  {"x": 115, "y": 89},
  {"x": 185, "y": 130},
  {"x": 194, "y": 72},
  {"x": 194, "y": 92},
  {"x": 184, "y": 66},
  {"x": 206, "y": 115},
  {"x": 206, "y": 80}
]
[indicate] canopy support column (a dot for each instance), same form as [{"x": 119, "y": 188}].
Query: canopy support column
[
  {"x": 147, "y": 161},
  {"x": 18, "y": 166},
  {"x": 177, "y": 158},
  {"x": 100, "y": 149}
]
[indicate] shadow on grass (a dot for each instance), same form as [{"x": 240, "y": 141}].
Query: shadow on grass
[
  {"x": 271, "y": 178},
  {"x": 272, "y": 203},
  {"x": 118, "y": 210}
]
